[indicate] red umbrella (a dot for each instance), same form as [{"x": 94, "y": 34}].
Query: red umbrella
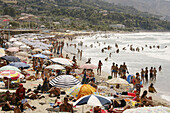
[
  {"x": 88, "y": 66},
  {"x": 5, "y": 20}
]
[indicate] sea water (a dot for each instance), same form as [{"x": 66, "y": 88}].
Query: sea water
[{"x": 135, "y": 60}]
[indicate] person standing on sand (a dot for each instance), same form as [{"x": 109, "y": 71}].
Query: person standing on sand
[
  {"x": 154, "y": 73},
  {"x": 142, "y": 74},
  {"x": 81, "y": 53},
  {"x": 151, "y": 74},
  {"x": 146, "y": 74},
  {"x": 124, "y": 69},
  {"x": 78, "y": 52},
  {"x": 113, "y": 69},
  {"x": 99, "y": 67},
  {"x": 116, "y": 71},
  {"x": 160, "y": 68}
]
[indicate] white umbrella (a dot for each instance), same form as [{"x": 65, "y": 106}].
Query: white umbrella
[
  {"x": 25, "y": 54},
  {"x": 46, "y": 52},
  {"x": 63, "y": 61},
  {"x": 18, "y": 43},
  {"x": 115, "y": 81},
  {"x": 55, "y": 67},
  {"x": 37, "y": 50}
]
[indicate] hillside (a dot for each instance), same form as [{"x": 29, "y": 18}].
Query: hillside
[
  {"x": 157, "y": 7},
  {"x": 85, "y": 14}
]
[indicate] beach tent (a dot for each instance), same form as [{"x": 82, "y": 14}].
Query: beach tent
[
  {"x": 129, "y": 78},
  {"x": 64, "y": 81},
  {"x": 156, "y": 109},
  {"x": 115, "y": 81},
  {"x": 86, "y": 89},
  {"x": 11, "y": 58}
]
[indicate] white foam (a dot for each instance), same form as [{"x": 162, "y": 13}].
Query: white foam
[{"x": 166, "y": 97}]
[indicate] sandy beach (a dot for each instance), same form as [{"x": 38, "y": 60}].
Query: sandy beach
[{"x": 43, "y": 105}]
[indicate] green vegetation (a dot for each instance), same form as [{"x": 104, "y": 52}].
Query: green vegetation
[{"x": 84, "y": 15}]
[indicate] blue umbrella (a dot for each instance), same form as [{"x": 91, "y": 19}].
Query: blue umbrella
[
  {"x": 11, "y": 58},
  {"x": 20, "y": 65},
  {"x": 40, "y": 56},
  {"x": 92, "y": 100}
]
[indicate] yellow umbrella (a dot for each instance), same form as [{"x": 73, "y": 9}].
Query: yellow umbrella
[
  {"x": 2, "y": 51},
  {"x": 86, "y": 89}
]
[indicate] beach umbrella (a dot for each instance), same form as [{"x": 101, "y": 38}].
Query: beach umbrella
[
  {"x": 13, "y": 39},
  {"x": 64, "y": 81},
  {"x": 156, "y": 109},
  {"x": 13, "y": 49},
  {"x": 88, "y": 66},
  {"x": 1, "y": 54},
  {"x": 17, "y": 43},
  {"x": 24, "y": 47},
  {"x": 37, "y": 50},
  {"x": 55, "y": 67},
  {"x": 11, "y": 58},
  {"x": 2, "y": 51},
  {"x": 20, "y": 65},
  {"x": 4, "y": 68},
  {"x": 46, "y": 52},
  {"x": 40, "y": 56},
  {"x": 115, "y": 81},
  {"x": 74, "y": 90},
  {"x": 86, "y": 89},
  {"x": 92, "y": 100},
  {"x": 14, "y": 75},
  {"x": 24, "y": 54},
  {"x": 62, "y": 61}
]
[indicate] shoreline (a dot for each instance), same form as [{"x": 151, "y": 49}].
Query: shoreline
[{"x": 158, "y": 100}]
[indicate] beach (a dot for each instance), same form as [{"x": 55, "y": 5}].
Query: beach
[{"x": 134, "y": 60}]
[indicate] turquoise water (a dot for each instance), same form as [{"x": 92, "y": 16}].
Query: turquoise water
[{"x": 135, "y": 60}]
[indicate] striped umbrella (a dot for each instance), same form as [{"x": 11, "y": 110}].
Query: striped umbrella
[
  {"x": 74, "y": 90},
  {"x": 92, "y": 100},
  {"x": 4, "y": 68},
  {"x": 64, "y": 81},
  {"x": 14, "y": 75}
]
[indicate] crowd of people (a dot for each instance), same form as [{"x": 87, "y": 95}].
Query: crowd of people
[{"x": 19, "y": 99}]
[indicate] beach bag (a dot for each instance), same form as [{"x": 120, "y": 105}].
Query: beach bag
[{"x": 109, "y": 77}]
